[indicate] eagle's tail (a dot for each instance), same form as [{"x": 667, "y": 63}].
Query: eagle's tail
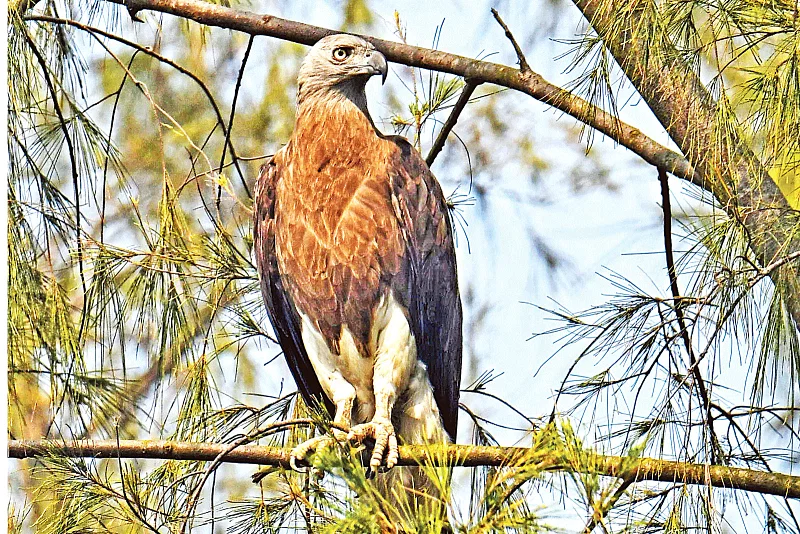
[
  {"x": 414, "y": 500},
  {"x": 419, "y": 495}
]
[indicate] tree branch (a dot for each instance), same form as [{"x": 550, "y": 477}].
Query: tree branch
[
  {"x": 634, "y": 470},
  {"x": 523, "y": 63},
  {"x": 230, "y": 121},
  {"x": 702, "y": 391},
  {"x": 675, "y": 97},
  {"x": 449, "y": 124},
  {"x": 527, "y": 82}
]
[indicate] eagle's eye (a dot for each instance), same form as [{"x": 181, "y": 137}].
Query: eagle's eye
[{"x": 342, "y": 53}]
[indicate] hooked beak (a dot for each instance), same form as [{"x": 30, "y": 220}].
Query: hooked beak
[{"x": 377, "y": 64}]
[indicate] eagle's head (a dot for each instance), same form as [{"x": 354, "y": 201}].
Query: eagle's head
[{"x": 341, "y": 64}]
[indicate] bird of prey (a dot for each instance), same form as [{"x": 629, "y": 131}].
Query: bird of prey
[{"x": 355, "y": 252}]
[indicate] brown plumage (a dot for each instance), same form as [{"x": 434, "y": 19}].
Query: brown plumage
[{"x": 355, "y": 251}]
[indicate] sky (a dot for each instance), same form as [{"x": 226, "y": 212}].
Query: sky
[{"x": 599, "y": 232}]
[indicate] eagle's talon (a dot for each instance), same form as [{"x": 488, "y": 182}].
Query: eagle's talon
[
  {"x": 301, "y": 451},
  {"x": 293, "y": 464},
  {"x": 385, "y": 450}
]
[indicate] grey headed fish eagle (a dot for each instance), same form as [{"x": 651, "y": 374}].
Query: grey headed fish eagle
[{"x": 355, "y": 252}]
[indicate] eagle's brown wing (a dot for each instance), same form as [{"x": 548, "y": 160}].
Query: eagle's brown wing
[
  {"x": 431, "y": 287},
  {"x": 282, "y": 313}
]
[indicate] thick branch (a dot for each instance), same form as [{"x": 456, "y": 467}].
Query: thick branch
[
  {"x": 527, "y": 82},
  {"x": 643, "y": 469},
  {"x": 680, "y": 101}
]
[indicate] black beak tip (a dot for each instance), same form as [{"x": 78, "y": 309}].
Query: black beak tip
[{"x": 378, "y": 65}]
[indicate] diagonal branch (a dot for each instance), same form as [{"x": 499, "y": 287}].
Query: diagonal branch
[
  {"x": 627, "y": 469},
  {"x": 230, "y": 120},
  {"x": 441, "y": 139},
  {"x": 529, "y": 82},
  {"x": 523, "y": 63}
]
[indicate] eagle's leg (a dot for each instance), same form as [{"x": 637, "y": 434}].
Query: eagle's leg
[
  {"x": 395, "y": 359},
  {"x": 344, "y": 397}
]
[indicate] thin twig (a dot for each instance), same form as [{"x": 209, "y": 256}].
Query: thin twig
[
  {"x": 463, "y": 99},
  {"x": 76, "y": 186},
  {"x": 220, "y": 458},
  {"x": 233, "y": 114},
  {"x": 117, "y": 96},
  {"x": 70, "y": 149},
  {"x": 599, "y": 515},
  {"x": 638, "y": 470},
  {"x": 162, "y": 59},
  {"x": 523, "y": 63},
  {"x": 766, "y": 271},
  {"x": 705, "y": 398}
]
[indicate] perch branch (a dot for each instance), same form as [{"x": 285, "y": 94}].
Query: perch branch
[{"x": 634, "y": 470}]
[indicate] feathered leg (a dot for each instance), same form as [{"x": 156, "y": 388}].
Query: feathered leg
[
  {"x": 395, "y": 357},
  {"x": 344, "y": 398}
]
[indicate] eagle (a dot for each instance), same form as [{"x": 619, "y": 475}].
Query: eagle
[{"x": 354, "y": 247}]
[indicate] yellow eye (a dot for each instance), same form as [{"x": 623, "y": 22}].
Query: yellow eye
[{"x": 342, "y": 53}]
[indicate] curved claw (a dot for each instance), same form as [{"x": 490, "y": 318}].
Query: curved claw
[
  {"x": 293, "y": 464},
  {"x": 385, "y": 450}
]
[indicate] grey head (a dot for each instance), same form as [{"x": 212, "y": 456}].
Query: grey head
[{"x": 340, "y": 65}]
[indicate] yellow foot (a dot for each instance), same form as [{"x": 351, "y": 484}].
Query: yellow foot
[
  {"x": 385, "y": 450},
  {"x": 301, "y": 452}
]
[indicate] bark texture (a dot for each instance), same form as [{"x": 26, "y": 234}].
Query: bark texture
[{"x": 629, "y": 469}]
